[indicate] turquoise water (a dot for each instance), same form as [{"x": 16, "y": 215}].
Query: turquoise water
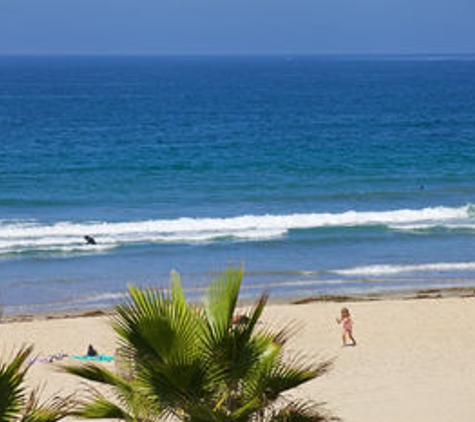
[{"x": 322, "y": 175}]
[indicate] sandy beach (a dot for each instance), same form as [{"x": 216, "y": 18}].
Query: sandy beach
[{"x": 413, "y": 362}]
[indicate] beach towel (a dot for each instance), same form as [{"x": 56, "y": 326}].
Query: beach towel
[{"x": 98, "y": 358}]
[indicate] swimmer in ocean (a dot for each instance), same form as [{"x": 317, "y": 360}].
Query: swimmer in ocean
[{"x": 90, "y": 240}]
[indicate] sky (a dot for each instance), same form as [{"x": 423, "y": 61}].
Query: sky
[{"x": 241, "y": 27}]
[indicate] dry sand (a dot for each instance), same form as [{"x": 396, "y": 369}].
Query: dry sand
[{"x": 415, "y": 359}]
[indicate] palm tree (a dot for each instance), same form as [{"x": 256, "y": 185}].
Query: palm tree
[
  {"x": 195, "y": 364},
  {"x": 18, "y": 405}
]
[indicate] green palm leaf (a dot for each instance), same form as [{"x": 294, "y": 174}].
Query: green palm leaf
[
  {"x": 55, "y": 410},
  {"x": 151, "y": 324},
  {"x": 12, "y": 392},
  {"x": 101, "y": 408},
  {"x": 301, "y": 412},
  {"x": 135, "y": 407},
  {"x": 220, "y": 301},
  {"x": 101, "y": 375}
]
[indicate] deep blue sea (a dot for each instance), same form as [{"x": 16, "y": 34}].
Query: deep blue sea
[{"x": 321, "y": 175}]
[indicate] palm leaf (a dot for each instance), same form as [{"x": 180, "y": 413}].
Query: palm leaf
[
  {"x": 12, "y": 392},
  {"x": 220, "y": 301},
  {"x": 159, "y": 334},
  {"x": 274, "y": 377},
  {"x": 136, "y": 405},
  {"x": 101, "y": 408},
  {"x": 98, "y": 374},
  {"x": 55, "y": 410},
  {"x": 152, "y": 325},
  {"x": 178, "y": 296},
  {"x": 301, "y": 412}
]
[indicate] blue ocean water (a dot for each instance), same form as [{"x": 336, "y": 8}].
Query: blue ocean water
[{"x": 321, "y": 175}]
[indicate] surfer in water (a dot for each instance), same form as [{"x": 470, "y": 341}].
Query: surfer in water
[{"x": 90, "y": 240}]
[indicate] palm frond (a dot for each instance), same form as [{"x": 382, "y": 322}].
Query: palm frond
[
  {"x": 159, "y": 334},
  {"x": 136, "y": 406},
  {"x": 178, "y": 296},
  {"x": 52, "y": 411},
  {"x": 155, "y": 327},
  {"x": 128, "y": 391},
  {"x": 101, "y": 408},
  {"x": 96, "y": 373},
  {"x": 173, "y": 385},
  {"x": 221, "y": 299},
  {"x": 247, "y": 328},
  {"x": 301, "y": 412},
  {"x": 275, "y": 377},
  {"x": 12, "y": 391}
]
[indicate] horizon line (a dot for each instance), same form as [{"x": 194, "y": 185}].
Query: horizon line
[{"x": 217, "y": 54}]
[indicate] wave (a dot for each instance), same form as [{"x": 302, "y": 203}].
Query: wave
[
  {"x": 19, "y": 236},
  {"x": 380, "y": 270}
]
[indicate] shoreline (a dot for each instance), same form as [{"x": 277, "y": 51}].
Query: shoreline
[{"x": 404, "y": 295}]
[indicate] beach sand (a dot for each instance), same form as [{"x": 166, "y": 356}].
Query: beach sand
[{"x": 414, "y": 360}]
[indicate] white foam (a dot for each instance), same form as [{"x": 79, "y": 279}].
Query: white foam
[
  {"x": 18, "y": 235},
  {"x": 379, "y": 270},
  {"x": 427, "y": 226}
]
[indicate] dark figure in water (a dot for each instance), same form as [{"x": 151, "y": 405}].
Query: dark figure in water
[
  {"x": 91, "y": 351},
  {"x": 89, "y": 240}
]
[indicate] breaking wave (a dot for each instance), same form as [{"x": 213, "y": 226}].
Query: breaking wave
[
  {"x": 382, "y": 270},
  {"x": 18, "y": 236}
]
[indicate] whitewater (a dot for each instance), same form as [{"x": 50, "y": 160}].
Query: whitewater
[{"x": 66, "y": 236}]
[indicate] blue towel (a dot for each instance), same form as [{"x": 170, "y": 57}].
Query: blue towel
[{"x": 98, "y": 358}]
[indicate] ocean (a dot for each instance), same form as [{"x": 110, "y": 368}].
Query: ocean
[{"x": 320, "y": 175}]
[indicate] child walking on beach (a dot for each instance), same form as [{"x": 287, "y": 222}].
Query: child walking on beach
[{"x": 347, "y": 323}]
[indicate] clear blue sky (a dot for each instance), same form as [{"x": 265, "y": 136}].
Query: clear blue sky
[{"x": 237, "y": 26}]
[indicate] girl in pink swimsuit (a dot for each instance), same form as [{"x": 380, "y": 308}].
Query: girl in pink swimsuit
[{"x": 347, "y": 324}]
